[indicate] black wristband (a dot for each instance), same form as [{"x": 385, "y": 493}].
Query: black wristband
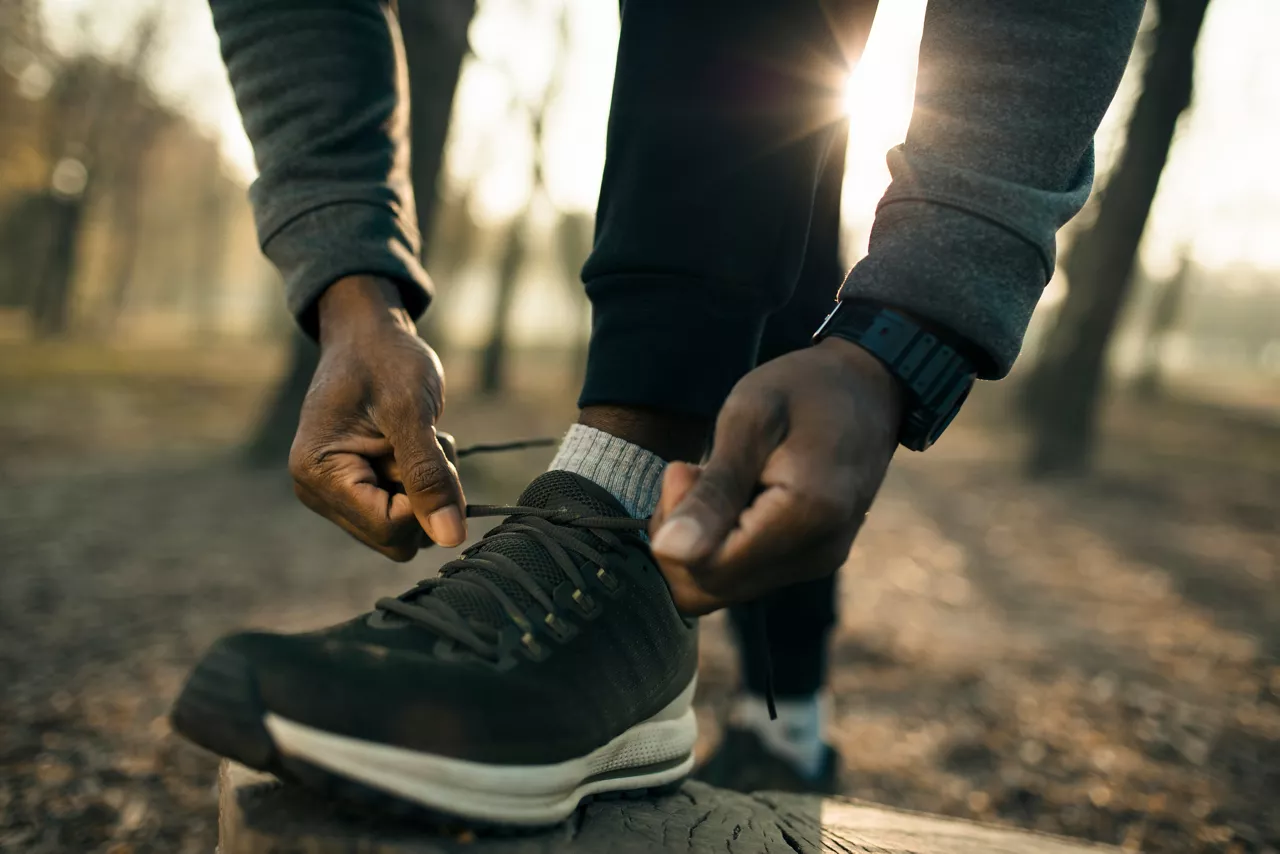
[{"x": 935, "y": 376}]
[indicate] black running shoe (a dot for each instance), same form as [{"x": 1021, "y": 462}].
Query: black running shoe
[
  {"x": 744, "y": 764},
  {"x": 546, "y": 665}
]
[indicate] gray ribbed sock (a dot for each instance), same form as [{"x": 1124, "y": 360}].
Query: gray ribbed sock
[{"x": 630, "y": 473}]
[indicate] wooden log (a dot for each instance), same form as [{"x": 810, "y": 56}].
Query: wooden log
[{"x": 260, "y": 816}]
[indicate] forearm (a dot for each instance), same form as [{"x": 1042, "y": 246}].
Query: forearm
[
  {"x": 321, "y": 88},
  {"x": 998, "y": 157}
]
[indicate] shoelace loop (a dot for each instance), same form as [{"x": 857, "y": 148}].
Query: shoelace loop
[
  {"x": 548, "y": 527},
  {"x": 483, "y": 639}
]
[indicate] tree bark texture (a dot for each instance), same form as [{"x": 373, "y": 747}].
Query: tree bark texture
[
  {"x": 1066, "y": 387},
  {"x": 259, "y": 816}
]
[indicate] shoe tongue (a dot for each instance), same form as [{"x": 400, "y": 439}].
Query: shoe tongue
[
  {"x": 556, "y": 489},
  {"x": 553, "y": 490}
]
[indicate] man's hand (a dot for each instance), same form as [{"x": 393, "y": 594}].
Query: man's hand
[
  {"x": 366, "y": 455},
  {"x": 801, "y": 447}
]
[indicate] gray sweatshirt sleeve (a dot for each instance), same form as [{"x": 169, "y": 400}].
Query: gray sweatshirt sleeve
[
  {"x": 999, "y": 155},
  {"x": 321, "y": 87}
]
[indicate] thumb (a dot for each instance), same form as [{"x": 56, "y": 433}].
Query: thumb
[
  {"x": 449, "y": 444},
  {"x": 677, "y": 480},
  {"x": 432, "y": 486},
  {"x": 696, "y": 522}
]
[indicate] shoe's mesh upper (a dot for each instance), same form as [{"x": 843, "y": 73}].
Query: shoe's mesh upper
[
  {"x": 382, "y": 677},
  {"x": 552, "y": 490},
  {"x": 566, "y": 489}
]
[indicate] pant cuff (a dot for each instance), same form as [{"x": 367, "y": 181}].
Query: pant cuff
[{"x": 668, "y": 342}]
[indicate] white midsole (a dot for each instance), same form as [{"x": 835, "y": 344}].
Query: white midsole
[{"x": 513, "y": 794}]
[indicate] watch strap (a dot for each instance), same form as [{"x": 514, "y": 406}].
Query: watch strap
[{"x": 936, "y": 376}]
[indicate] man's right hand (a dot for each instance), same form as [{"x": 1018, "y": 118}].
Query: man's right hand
[{"x": 366, "y": 455}]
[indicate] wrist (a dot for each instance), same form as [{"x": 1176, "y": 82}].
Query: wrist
[
  {"x": 359, "y": 306},
  {"x": 870, "y": 372},
  {"x": 933, "y": 377}
]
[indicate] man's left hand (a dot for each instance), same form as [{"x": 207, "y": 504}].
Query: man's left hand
[{"x": 801, "y": 447}]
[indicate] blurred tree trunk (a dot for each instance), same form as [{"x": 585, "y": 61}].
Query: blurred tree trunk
[
  {"x": 1148, "y": 380},
  {"x": 17, "y": 250},
  {"x": 128, "y": 182},
  {"x": 493, "y": 358},
  {"x": 76, "y": 106},
  {"x": 56, "y": 248},
  {"x": 435, "y": 45},
  {"x": 1064, "y": 390},
  {"x": 435, "y": 40},
  {"x": 92, "y": 131}
]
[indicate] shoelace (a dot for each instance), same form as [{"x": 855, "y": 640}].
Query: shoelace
[
  {"x": 548, "y": 527},
  {"x": 499, "y": 447}
]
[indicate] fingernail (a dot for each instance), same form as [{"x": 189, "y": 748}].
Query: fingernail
[
  {"x": 446, "y": 527},
  {"x": 678, "y": 538}
]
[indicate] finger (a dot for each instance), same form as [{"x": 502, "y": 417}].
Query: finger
[
  {"x": 388, "y": 474},
  {"x": 389, "y": 479},
  {"x": 431, "y": 484},
  {"x": 746, "y": 432},
  {"x": 342, "y": 482},
  {"x": 399, "y": 540},
  {"x": 778, "y": 511},
  {"x": 389, "y": 470},
  {"x": 785, "y": 530},
  {"x": 703, "y": 592},
  {"x": 688, "y": 596},
  {"x": 399, "y": 554},
  {"x": 677, "y": 480},
  {"x": 733, "y": 574}
]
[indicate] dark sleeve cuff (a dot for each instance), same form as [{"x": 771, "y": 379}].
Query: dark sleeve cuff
[
  {"x": 344, "y": 238},
  {"x": 966, "y": 251}
]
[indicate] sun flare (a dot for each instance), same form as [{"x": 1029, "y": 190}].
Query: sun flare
[{"x": 877, "y": 97}]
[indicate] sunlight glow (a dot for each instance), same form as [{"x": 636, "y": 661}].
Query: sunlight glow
[{"x": 878, "y": 98}]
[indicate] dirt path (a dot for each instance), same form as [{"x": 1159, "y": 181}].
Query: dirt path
[{"x": 1097, "y": 659}]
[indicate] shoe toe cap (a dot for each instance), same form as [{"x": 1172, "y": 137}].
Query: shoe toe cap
[{"x": 373, "y": 693}]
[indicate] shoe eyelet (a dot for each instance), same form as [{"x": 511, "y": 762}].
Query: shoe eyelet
[
  {"x": 531, "y": 643},
  {"x": 609, "y": 583},
  {"x": 584, "y": 601},
  {"x": 559, "y": 629}
]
